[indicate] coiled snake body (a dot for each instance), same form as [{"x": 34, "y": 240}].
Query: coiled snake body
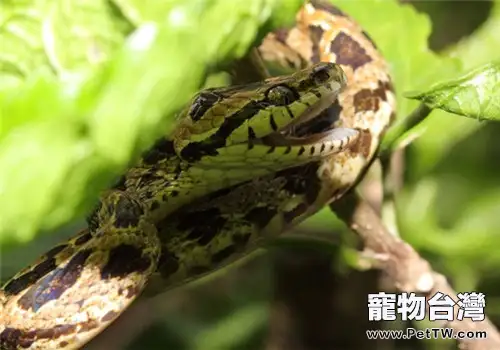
[{"x": 245, "y": 164}]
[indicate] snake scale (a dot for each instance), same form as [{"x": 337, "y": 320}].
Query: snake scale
[{"x": 245, "y": 164}]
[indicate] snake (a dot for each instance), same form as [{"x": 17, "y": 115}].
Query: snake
[{"x": 244, "y": 164}]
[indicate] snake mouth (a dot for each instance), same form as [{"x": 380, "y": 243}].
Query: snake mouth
[{"x": 314, "y": 125}]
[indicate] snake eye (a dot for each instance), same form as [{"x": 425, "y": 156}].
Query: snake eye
[
  {"x": 321, "y": 73},
  {"x": 281, "y": 95},
  {"x": 202, "y": 103}
]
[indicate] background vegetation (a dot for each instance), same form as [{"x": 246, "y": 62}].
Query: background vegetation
[{"x": 66, "y": 72}]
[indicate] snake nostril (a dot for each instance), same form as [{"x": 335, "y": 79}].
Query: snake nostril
[{"x": 321, "y": 72}]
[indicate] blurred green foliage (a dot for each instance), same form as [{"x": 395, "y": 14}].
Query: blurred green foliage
[{"x": 65, "y": 77}]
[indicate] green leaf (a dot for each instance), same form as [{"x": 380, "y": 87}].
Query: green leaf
[
  {"x": 473, "y": 95},
  {"x": 401, "y": 34},
  {"x": 475, "y": 50},
  {"x": 55, "y": 36},
  {"x": 65, "y": 137}
]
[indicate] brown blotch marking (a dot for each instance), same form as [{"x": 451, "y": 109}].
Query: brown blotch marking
[
  {"x": 88, "y": 326},
  {"x": 223, "y": 254},
  {"x": 17, "y": 285},
  {"x": 281, "y": 35},
  {"x": 368, "y": 100},
  {"x": 348, "y": 51},
  {"x": 127, "y": 211},
  {"x": 13, "y": 338},
  {"x": 328, "y": 7},
  {"x": 83, "y": 238},
  {"x": 124, "y": 260},
  {"x": 300, "y": 209},
  {"x": 53, "y": 285},
  {"x": 363, "y": 145},
  {"x": 260, "y": 216},
  {"x": 315, "y": 34},
  {"x": 162, "y": 149},
  {"x": 168, "y": 264},
  {"x": 63, "y": 344},
  {"x": 202, "y": 226},
  {"x": 110, "y": 315}
]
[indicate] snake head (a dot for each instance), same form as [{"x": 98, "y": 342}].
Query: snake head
[{"x": 223, "y": 118}]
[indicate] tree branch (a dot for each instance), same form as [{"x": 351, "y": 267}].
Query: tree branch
[{"x": 405, "y": 269}]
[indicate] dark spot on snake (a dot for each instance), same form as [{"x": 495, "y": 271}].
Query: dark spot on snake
[
  {"x": 160, "y": 150},
  {"x": 260, "y": 216},
  {"x": 348, "y": 51},
  {"x": 300, "y": 209},
  {"x": 88, "y": 326},
  {"x": 17, "y": 285},
  {"x": 154, "y": 205},
  {"x": 202, "y": 103},
  {"x": 204, "y": 228},
  {"x": 316, "y": 93},
  {"x": 174, "y": 193},
  {"x": 312, "y": 150},
  {"x": 289, "y": 111},
  {"x": 273, "y": 123},
  {"x": 128, "y": 212},
  {"x": 110, "y": 315},
  {"x": 328, "y": 7},
  {"x": 271, "y": 149},
  {"x": 365, "y": 34},
  {"x": 63, "y": 344},
  {"x": 208, "y": 147},
  {"x": 251, "y": 133},
  {"x": 223, "y": 254},
  {"x": 168, "y": 263},
  {"x": 288, "y": 150},
  {"x": 241, "y": 240},
  {"x": 315, "y": 34},
  {"x": 54, "y": 284},
  {"x": 301, "y": 150},
  {"x": 55, "y": 250},
  {"x": 124, "y": 260},
  {"x": 83, "y": 238},
  {"x": 303, "y": 180},
  {"x": 322, "y": 149}
]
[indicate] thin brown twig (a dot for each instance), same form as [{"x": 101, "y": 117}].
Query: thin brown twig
[{"x": 404, "y": 268}]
